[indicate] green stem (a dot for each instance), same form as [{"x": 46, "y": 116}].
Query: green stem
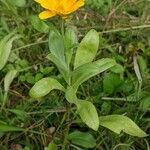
[
  {"x": 65, "y": 139},
  {"x": 63, "y": 28},
  {"x": 63, "y": 35},
  {"x": 4, "y": 100}
]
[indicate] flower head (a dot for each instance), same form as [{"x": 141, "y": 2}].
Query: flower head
[{"x": 59, "y": 7}]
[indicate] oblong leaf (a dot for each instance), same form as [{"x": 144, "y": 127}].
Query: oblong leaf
[
  {"x": 56, "y": 44},
  {"x": 44, "y": 86},
  {"x": 84, "y": 139},
  {"x": 118, "y": 123},
  {"x": 86, "y": 109},
  {"x": 52, "y": 146},
  {"x": 87, "y": 48},
  {"x": 70, "y": 95},
  {"x": 5, "y": 48},
  {"x": 61, "y": 66},
  {"x": 70, "y": 42},
  {"x": 86, "y": 71},
  {"x": 8, "y": 128},
  {"x": 88, "y": 114},
  {"x": 9, "y": 78}
]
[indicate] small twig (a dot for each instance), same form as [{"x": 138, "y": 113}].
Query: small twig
[
  {"x": 113, "y": 99},
  {"x": 116, "y": 99},
  {"x": 48, "y": 111},
  {"x": 17, "y": 94},
  {"x": 96, "y": 27},
  {"x": 126, "y": 29},
  {"x": 36, "y": 132},
  {"x": 119, "y": 29},
  {"x": 29, "y": 45}
]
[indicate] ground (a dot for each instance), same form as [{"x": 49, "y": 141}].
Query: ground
[{"x": 124, "y": 29}]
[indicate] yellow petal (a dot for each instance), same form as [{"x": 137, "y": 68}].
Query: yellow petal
[
  {"x": 59, "y": 7},
  {"x": 78, "y": 4},
  {"x": 46, "y": 14},
  {"x": 67, "y": 3},
  {"x": 48, "y": 4},
  {"x": 75, "y": 6},
  {"x": 43, "y": 3}
]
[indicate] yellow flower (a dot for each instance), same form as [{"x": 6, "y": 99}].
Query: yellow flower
[{"x": 59, "y": 7}]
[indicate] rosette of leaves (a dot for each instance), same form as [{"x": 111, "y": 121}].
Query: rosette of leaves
[
  {"x": 83, "y": 67},
  {"x": 61, "y": 53}
]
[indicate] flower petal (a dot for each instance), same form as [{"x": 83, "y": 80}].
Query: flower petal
[
  {"x": 75, "y": 6},
  {"x": 59, "y": 7},
  {"x": 43, "y": 3},
  {"x": 46, "y": 14},
  {"x": 48, "y": 4}
]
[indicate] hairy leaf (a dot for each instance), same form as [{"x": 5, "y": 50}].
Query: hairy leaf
[
  {"x": 86, "y": 71},
  {"x": 70, "y": 42},
  {"x": 88, "y": 114},
  {"x": 87, "y": 49},
  {"x": 56, "y": 45},
  {"x": 118, "y": 123},
  {"x": 61, "y": 67},
  {"x": 44, "y": 86},
  {"x": 86, "y": 109}
]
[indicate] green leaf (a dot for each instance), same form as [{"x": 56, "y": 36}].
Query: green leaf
[
  {"x": 145, "y": 103},
  {"x": 117, "y": 68},
  {"x": 88, "y": 114},
  {"x": 142, "y": 64},
  {"x": 86, "y": 109},
  {"x": 20, "y": 113},
  {"x": 86, "y": 71},
  {"x": 8, "y": 79},
  {"x": 61, "y": 67},
  {"x": 27, "y": 148},
  {"x": 5, "y": 48},
  {"x": 8, "y": 128},
  {"x": 83, "y": 139},
  {"x": 52, "y": 146},
  {"x": 56, "y": 45},
  {"x": 44, "y": 86},
  {"x": 111, "y": 82},
  {"x": 38, "y": 24},
  {"x": 70, "y": 42},
  {"x": 118, "y": 123},
  {"x": 19, "y": 3},
  {"x": 70, "y": 95},
  {"x": 87, "y": 48}
]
